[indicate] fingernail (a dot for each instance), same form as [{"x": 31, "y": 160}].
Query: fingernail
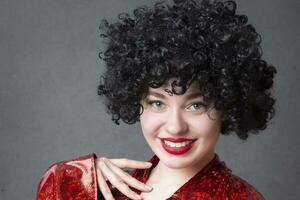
[
  {"x": 148, "y": 187},
  {"x": 138, "y": 196}
]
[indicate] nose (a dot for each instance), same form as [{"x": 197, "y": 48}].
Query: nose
[{"x": 175, "y": 123}]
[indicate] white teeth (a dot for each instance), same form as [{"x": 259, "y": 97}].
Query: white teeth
[{"x": 177, "y": 144}]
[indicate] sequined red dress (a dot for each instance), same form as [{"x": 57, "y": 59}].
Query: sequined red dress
[{"x": 76, "y": 180}]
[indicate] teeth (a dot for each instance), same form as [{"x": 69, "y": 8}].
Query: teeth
[{"x": 177, "y": 144}]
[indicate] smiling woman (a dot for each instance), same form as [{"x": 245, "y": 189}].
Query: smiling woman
[
  {"x": 188, "y": 73},
  {"x": 181, "y": 135},
  {"x": 165, "y": 125}
]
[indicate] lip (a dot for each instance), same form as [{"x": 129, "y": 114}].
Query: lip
[
  {"x": 177, "y": 139},
  {"x": 175, "y": 150}
]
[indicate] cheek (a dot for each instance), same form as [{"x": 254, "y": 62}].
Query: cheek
[
  {"x": 149, "y": 124},
  {"x": 204, "y": 126}
]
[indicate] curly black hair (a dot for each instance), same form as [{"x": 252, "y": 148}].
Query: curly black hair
[{"x": 204, "y": 41}]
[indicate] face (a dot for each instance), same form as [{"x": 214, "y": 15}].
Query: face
[{"x": 180, "y": 129}]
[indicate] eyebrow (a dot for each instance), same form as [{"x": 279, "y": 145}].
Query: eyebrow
[{"x": 188, "y": 97}]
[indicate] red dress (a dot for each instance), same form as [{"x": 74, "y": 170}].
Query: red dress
[{"x": 76, "y": 180}]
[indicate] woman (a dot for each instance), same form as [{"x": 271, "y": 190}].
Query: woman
[{"x": 187, "y": 72}]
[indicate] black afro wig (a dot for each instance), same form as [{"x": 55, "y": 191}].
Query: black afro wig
[{"x": 204, "y": 41}]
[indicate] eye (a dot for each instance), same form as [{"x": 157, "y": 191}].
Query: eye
[
  {"x": 199, "y": 106},
  {"x": 155, "y": 103}
]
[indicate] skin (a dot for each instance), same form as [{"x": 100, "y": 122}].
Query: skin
[
  {"x": 111, "y": 170},
  {"x": 175, "y": 116},
  {"x": 172, "y": 116}
]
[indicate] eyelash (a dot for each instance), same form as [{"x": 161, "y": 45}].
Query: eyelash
[{"x": 150, "y": 102}]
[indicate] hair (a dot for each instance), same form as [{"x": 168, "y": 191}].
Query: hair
[{"x": 204, "y": 41}]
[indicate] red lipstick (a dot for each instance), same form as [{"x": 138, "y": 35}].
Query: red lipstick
[
  {"x": 177, "y": 150},
  {"x": 178, "y": 139}
]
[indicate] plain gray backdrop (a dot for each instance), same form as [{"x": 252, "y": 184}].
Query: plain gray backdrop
[{"x": 50, "y": 111}]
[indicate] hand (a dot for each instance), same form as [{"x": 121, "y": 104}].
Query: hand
[{"x": 110, "y": 170}]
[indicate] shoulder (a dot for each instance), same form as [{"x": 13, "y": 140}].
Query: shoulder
[
  {"x": 244, "y": 189},
  {"x": 232, "y": 186},
  {"x": 71, "y": 178}
]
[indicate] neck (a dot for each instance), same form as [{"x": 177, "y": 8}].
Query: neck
[{"x": 164, "y": 175}]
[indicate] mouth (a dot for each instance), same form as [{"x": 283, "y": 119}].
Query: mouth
[{"x": 177, "y": 146}]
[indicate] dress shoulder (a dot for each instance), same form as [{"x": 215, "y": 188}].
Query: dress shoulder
[
  {"x": 244, "y": 190},
  {"x": 233, "y": 186},
  {"x": 217, "y": 182},
  {"x": 71, "y": 179}
]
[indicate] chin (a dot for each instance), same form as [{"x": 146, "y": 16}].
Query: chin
[
  {"x": 177, "y": 165},
  {"x": 176, "y": 162}
]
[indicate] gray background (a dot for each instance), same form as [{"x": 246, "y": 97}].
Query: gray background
[{"x": 50, "y": 110}]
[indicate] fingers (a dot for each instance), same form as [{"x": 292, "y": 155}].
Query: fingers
[
  {"x": 103, "y": 186},
  {"x": 115, "y": 180},
  {"x": 128, "y": 178},
  {"x": 124, "y": 162}
]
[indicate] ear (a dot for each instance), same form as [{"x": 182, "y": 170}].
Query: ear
[{"x": 142, "y": 107}]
